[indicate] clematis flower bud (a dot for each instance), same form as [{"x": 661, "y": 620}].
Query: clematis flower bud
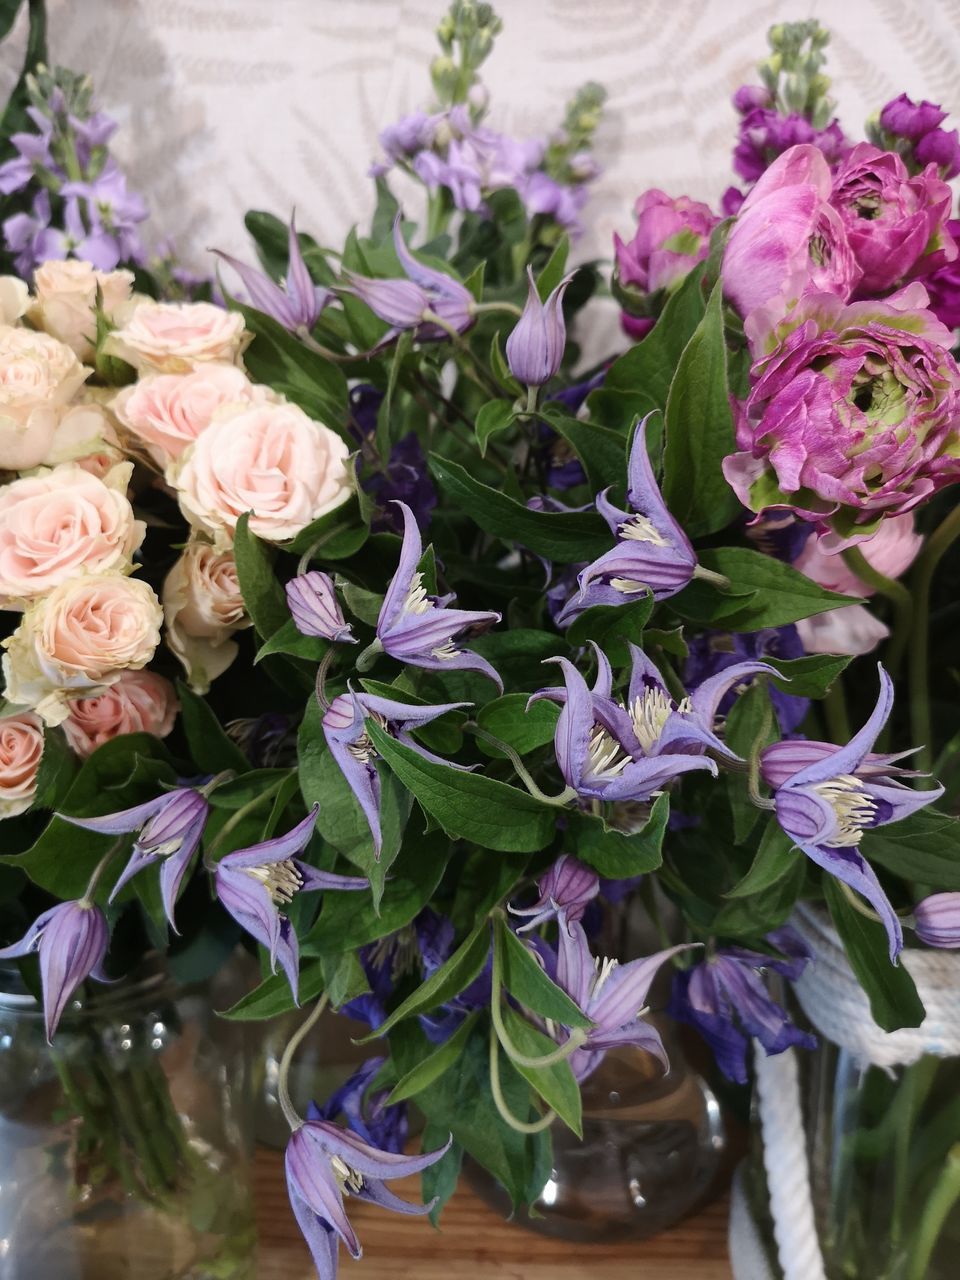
[
  {"x": 315, "y": 608},
  {"x": 535, "y": 347},
  {"x": 937, "y": 920}
]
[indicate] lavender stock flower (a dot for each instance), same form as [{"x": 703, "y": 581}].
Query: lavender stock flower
[
  {"x": 419, "y": 629},
  {"x": 254, "y": 883},
  {"x": 535, "y": 347},
  {"x": 937, "y": 920},
  {"x": 315, "y": 609},
  {"x": 168, "y": 830},
  {"x": 565, "y": 892},
  {"x": 71, "y": 940},
  {"x": 827, "y": 796},
  {"x": 726, "y": 999},
  {"x": 297, "y": 302},
  {"x": 652, "y": 552},
  {"x": 324, "y": 1163}
]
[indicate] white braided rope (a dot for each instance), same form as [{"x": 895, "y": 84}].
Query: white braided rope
[{"x": 837, "y": 1007}]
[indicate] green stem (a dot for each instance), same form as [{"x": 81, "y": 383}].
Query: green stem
[
  {"x": 98, "y": 871},
  {"x": 573, "y": 1042},
  {"x": 244, "y": 811},
  {"x": 753, "y": 770},
  {"x": 899, "y": 597},
  {"x": 532, "y": 396},
  {"x": 943, "y": 1197},
  {"x": 565, "y": 796},
  {"x": 921, "y": 725},
  {"x": 835, "y": 708},
  {"x": 500, "y": 1102},
  {"x": 508, "y": 308},
  {"x": 915, "y": 1084},
  {"x": 290, "y": 1114}
]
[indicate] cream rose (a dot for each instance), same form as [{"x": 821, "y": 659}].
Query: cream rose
[
  {"x": 271, "y": 460},
  {"x": 168, "y": 411},
  {"x": 65, "y": 301},
  {"x": 21, "y": 748},
  {"x": 139, "y": 702},
  {"x": 86, "y": 435},
  {"x": 171, "y": 337},
  {"x": 38, "y": 376},
  {"x": 60, "y": 524},
  {"x": 79, "y": 638},
  {"x": 202, "y": 608},
  {"x": 14, "y": 299}
]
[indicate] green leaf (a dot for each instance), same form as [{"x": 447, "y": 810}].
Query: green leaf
[
  {"x": 292, "y": 642},
  {"x": 553, "y": 271},
  {"x": 273, "y": 996},
  {"x": 495, "y": 416},
  {"x": 432, "y": 1068},
  {"x": 601, "y": 451},
  {"x": 525, "y": 980},
  {"x": 750, "y": 716},
  {"x": 211, "y": 750},
  {"x": 277, "y": 359},
  {"x": 240, "y": 791},
  {"x": 501, "y": 370},
  {"x": 808, "y": 677},
  {"x": 555, "y": 1084},
  {"x": 775, "y": 859},
  {"x": 58, "y": 768},
  {"x": 336, "y": 535},
  {"x": 566, "y": 537},
  {"x": 699, "y": 430},
  {"x": 756, "y": 915},
  {"x": 262, "y": 593},
  {"x": 519, "y": 726},
  {"x": 613, "y": 627},
  {"x": 893, "y": 997},
  {"x": 468, "y": 805},
  {"x": 439, "y": 1181},
  {"x": 453, "y": 976},
  {"x": 924, "y": 848},
  {"x": 343, "y": 977},
  {"x": 615, "y": 854}
]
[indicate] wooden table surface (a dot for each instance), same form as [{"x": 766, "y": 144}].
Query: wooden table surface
[{"x": 476, "y": 1244}]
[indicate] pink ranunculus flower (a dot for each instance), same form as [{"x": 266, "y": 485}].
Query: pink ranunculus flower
[
  {"x": 203, "y": 608},
  {"x": 173, "y": 337},
  {"x": 787, "y": 240},
  {"x": 79, "y": 638},
  {"x": 269, "y": 459},
  {"x": 672, "y": 236},
  {"x": 855, "y": 630},
  {"x": 21, "y": 749},
  {"x": 38, "y": 377},
  {"x": 62, "y": 523},
  {"x": 853, "y": 417},
  {"x": 168, "y": 411},
  {"x": 896, "y": 225},
  {"x": 139, "y": 702},
  {"x": 65, "y": 301}
]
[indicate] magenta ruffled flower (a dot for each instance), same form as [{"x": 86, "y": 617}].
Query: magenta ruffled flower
[
  {"x": 943, "y": 285},
  {"x": 853, "y": 416},
  {"x": 895, "y": 224},
  {"x": 672, "y": 236}
]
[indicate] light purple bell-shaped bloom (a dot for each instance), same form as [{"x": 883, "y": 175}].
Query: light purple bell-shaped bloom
[
  {"x": 652, "y": 552},
  {"x": 295, "y": 305},
  {"x": 937, "y": 920},
  {"x": 827, "y": 796},
  {"x": 419, "y": 629},
  {"x": 71, "y": 940},
  {"x": 315, "y": 608},
  {"x": 323, "y": 1164},
  {"x": 345, "y": 730},
  {"x": 535, "y": 348},
  {"x": 168, "y": 830},
  {"x": 254, "y": 883},
  {"x": 566, "y": 891}
]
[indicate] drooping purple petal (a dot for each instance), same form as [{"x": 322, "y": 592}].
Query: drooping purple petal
[
  {"x": 311, "y": 1178},
  {"x": 321, "y": 1239},
  {"x": 278, "y": 849},
  {"x": 847, "y": 759}
]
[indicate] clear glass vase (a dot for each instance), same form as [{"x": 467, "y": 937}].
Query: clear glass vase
[{"x": 125, "y": 1148}]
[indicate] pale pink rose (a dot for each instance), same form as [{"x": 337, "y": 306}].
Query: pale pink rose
[
  {"x": 78, "y": 638},
  {"x": 270, "y": 459},
  {"x": 171, "y": 337},
  {"x": 139, "y": 702},
  {"x": 38, "y": 376},
  {"x": 65, "y": 301},
  {"x": 168, "y": 411},
  {"x": 855, "y": 630},
  {"x": 86, "y": 435},
  {"x": 14, "y": 299},
  {"x": 61, "y": 523},
  {"x": 21, "y": 748},
  {"x": 202, "y": 608}
]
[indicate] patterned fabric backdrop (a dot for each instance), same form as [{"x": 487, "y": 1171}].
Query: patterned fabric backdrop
[{"x": 225, "y": 104}]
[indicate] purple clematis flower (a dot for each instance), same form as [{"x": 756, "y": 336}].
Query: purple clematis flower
[
  {"x": 254, "y": 883},
  {"x": 71, "y": 940},
  {"x": 565, "y": 893},
  {"x": 827, "y": 796},
  {"x": 168, "y": 830},
  {"x": 344, "y": 727},
  {"x": 535, "y": 347},
  {"x": 726, "y": 999},
  {"x": 937, "y": 920},
  {"x": 418, "y": 301},
  {"x": 324, "y": 1163},
  {"x": 652, "y": 552},
  {"x": 366, "y": 1114},
  {"x": 612, "y": 995},
  {"x": 419, "y": 629},
  {"x": 315, "y": 608},
  {"x": 297, "y": 302}
]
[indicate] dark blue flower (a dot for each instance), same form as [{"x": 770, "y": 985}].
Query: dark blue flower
[
  {"x": 366, "y": 1113},
  {"x": 716, "y": 651}
]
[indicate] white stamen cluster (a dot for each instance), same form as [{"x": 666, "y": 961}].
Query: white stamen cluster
[
  {"x": 640, "y": 529},
  {"x": 280, "y": 879},
  {"x": 604, "y": 969},
  {"x": 852, "y": 807},
  {"x": 363, "y": 750},
  {"x": 417, "y": 600},
  {"x": 650, "y": 713},
  {"x": 628, "y": 586},
  {"x": 606, "y": 758},
  {"x": 446, "y": 652},
  {"x": 349, "y": 1181}
]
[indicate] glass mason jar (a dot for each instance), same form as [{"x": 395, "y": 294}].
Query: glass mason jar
[{"x": 125, "y": 1148}]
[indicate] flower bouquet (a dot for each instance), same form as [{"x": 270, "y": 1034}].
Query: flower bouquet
[{"x": 469, "y": 639}]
